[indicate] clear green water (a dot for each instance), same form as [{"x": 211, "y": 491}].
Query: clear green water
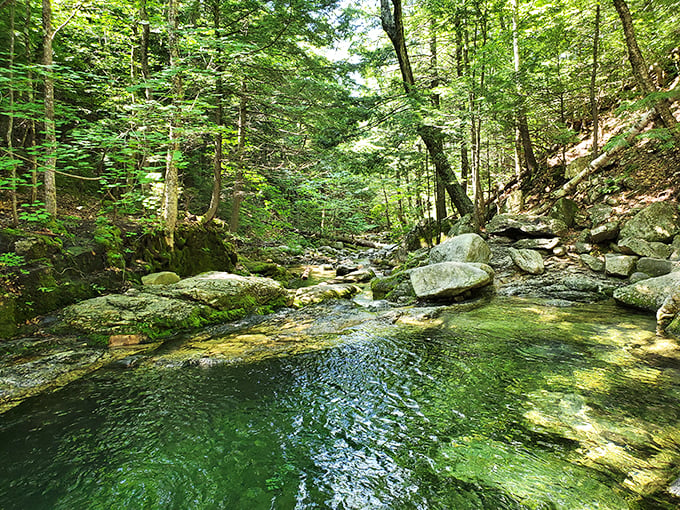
[{"x": 514, "y": 405}]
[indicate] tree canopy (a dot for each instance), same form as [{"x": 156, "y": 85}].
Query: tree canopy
[{"x": 242, "y": 111}]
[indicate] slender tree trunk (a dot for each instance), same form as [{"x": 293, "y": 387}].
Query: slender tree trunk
[
  {"x": 237, "y": 195},
  {"x": 521, "y": 120},
  {"x": 171, "y": 185},
  {"x": 640, "y": 70},
  {"x": 50, "y": 129},
  {"x": 432, "y": 136},
  {"x": 144, "y": 49},
  {"x": 32, "y": 158},
  {"x": 593, "y": 82},
  {"x": 219, "y": 114},
  {"x": 10, "y": 116},
  {"x": 440, "y": 190}
]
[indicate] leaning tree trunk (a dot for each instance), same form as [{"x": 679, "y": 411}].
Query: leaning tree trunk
[
  {"x": 603, "y": 160},
  {"x": 640, "y": 70},
  {"x": 50, "y": 129},
  {"x": 432, "y": 136}
]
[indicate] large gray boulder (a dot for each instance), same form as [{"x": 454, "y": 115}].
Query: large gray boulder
[
  {"x": 619, "y": 265},
  {"x": 449, "y": 279},
  {"x": 129, "y": 313},
  {"x": 530, "y": 261},
  {"x": 634, "y": 246},
  {"x": 654, "y": 267},
  {"x": 523, "y": 225},
  {"x": 659, "y": 221},
  {"x": 604, "y": 232},
  {"x": 224, "y": 291},
  {"x": 462, "y": 248},
  {"x": 648, "y": 294}
]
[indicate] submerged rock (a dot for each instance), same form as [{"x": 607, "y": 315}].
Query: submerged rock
[
  {"x": 322, "y": 292},
  {"x": 449, "y": 279}
]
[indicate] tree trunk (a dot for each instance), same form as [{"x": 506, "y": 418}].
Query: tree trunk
[
  {"x": 593, "y": 82},
  {"x": 10, "y": 116},
  {"x": 640, "y": 70},
  {"x": 171, "y": 185},
  {"x": 219, "y": 114},
  {"x": 432, "y": 136},
  {"x": 237, "y": 194},
  {"x": 521, "y": 117},
  {"x": 32, "y": 158},
  {"x": 50, "y": 129},
  {"x": 144, "y": 49}
]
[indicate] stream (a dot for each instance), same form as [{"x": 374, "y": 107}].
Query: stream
[{"x": 507, "y": 404}]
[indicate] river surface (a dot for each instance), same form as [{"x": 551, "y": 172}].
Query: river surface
[{"x": 511, "y": 405}]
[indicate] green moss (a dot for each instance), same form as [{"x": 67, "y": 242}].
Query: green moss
[{"x": 108, "y": 236}]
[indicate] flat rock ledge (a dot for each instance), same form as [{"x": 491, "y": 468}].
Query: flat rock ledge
[{"x": 157, "y": 310}]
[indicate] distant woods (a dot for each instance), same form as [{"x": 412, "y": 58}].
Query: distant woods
[{"x": 161, "y": 111}]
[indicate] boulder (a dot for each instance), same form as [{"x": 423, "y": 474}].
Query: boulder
[
  {"x": 462, "y": 248},
  {"x": 594, "y": 263},
  {"x": 619, "y": 265},
  {"x": 523, "y": 225},
  {"x": 600, "y": 214},
  {"x": 637, "y": 276},
  {"x": 322, "y": 292},
  {"x": 224, "y": 291},
  {"x": 675, "y": 248},
  {"x": 564, "y": 210},
  {"x": 633, "y": 246},
  {"x": 449, "y": 279},
  {"x": 659, "y": 221},
  {"x": 345, "y": 268},
  {"x": 464, "y": 225},
  {"x": 648, "y": 294},
  {"x": 530, "y": 261},
  {"x": 581, "y": 247},
  {"x": 605, "y": 232},
  {"x": 537, "y": 243},
  {"x": 129, "y": 313},
  {"x": 162, "y": 278},
  {"x": 654, "y": 267}
]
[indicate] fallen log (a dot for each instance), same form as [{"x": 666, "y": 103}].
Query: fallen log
[
  {"x": 601, "y": 161},
  {"x": 343, "y": 239}
]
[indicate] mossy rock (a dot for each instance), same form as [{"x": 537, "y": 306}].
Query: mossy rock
[
  {"x": 198, "y": 248},
  {"x": 394, "y": 287},
  {"x": 8, "y": 322}
]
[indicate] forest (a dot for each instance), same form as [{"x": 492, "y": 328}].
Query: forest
[
  {"x": 340, "y": 254},
  {"x": 280, "y": 117}
]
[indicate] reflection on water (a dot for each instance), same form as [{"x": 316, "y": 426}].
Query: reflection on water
[{"x": 512, "y": 405}]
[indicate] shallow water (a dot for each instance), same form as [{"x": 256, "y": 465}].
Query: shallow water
[{"x": 512, "y": 405}]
